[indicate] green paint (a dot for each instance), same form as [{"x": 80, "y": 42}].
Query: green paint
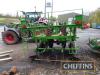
[{"x": 68, "y": 36}]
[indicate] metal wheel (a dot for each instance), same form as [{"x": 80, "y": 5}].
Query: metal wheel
[{"x": 10, "y": 37}]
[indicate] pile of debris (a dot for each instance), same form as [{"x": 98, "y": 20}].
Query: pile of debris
[{"x": 12, "y": 71}]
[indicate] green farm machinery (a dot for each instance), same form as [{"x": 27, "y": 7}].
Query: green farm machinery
[
  {"x": 12, "y": 34},
  {"x": 50, "y": 38},
  {"x": 95, "y": 45}
]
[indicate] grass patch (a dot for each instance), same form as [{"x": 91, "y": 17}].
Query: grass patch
[
  {"x": 9, "y": 20},
  {"x": 2, "y": 19}
]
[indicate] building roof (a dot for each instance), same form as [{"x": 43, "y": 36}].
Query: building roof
[{"x": 64, "y": 17}]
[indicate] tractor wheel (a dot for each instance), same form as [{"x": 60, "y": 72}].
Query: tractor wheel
[{"x": 10, "y": 37}]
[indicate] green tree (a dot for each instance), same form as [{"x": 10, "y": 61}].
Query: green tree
[{"x": 95, "y": 16}]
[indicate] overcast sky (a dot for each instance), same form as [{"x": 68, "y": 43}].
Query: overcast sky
[{"x": 12, "y": 6}]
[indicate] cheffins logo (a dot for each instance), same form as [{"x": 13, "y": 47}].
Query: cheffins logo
[{"x": 78, "y": 65}]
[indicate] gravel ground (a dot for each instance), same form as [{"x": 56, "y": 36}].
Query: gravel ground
[{"x": 26, "y": 67}]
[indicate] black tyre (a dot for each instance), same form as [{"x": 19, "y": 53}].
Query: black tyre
[{"x": 10, "y": 37}]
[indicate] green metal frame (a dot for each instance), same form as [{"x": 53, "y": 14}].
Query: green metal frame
[
  {"x": 93, "y": 44},
  {"x": 68, "y": 37}
]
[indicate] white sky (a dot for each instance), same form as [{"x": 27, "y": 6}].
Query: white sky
[{"x": 12, "y": 6}]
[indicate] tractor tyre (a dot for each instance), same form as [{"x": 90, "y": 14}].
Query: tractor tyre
[{"x": 10, "y": 37}]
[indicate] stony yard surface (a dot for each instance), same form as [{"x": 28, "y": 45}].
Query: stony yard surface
[{"x": 23, "y": 50}]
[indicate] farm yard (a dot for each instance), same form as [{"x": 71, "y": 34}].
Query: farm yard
[
  {"x": 22, "y": 51},
  {"x": 49, "y": 37}
]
